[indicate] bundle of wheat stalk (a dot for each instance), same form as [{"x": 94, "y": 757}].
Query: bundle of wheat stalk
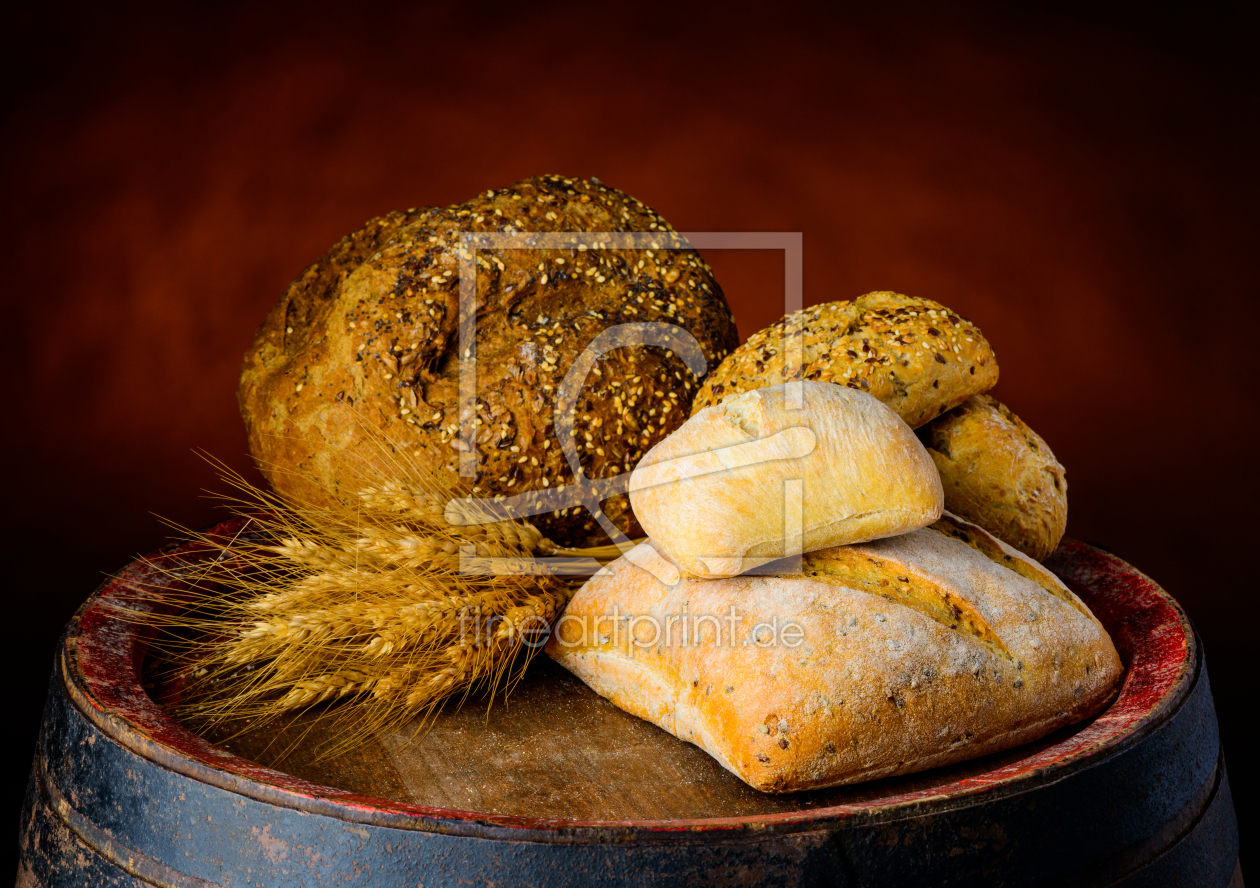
[{"x": 362, "y": 602}]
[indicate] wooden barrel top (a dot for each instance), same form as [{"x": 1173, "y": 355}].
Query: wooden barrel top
[
  {"x": 557, "y": 787},
  {"x": 555, "y": 755}
]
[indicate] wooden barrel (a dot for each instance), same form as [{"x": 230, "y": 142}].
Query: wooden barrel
[{"x": 561, "y": 788}]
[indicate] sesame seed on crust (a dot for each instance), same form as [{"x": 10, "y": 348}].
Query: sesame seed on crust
[{"x": 376, "y": 319}]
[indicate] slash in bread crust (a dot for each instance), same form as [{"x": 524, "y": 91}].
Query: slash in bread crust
[{"x": 910, "y": 652}]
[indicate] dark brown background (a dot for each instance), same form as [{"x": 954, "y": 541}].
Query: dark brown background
[{"x": 1082, "y": 188}]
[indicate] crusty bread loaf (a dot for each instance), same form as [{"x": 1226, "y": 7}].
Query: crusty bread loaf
[
  {"x": 362, "y": 348},
  {"x": 915, "y": 355},
  {"x": 878, "y": 659},
  {"x": 750, "y": 480},
  {"x": 1000, "y": 474}
]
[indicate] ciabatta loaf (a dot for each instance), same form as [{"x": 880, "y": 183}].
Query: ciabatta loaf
[
  {"x": 879, "y": 659},
  {"x": 774, "y": 472}
]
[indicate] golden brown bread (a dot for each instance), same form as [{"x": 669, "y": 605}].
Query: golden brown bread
[
  {"x": 915, "y": 355},
  {"x": 1000, "y": 474},
  {"x": 363, "y": 345},
  {"x": 877, "y": 659},
  {"x": 750, "y": 480}
]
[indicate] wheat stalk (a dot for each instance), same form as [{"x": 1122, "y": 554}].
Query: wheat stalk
[{"x": 360, "y": 602}]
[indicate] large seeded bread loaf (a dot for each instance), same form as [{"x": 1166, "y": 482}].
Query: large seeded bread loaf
[
  {"x": 762, "y": 475},
  {"x": 363, "y": 349},
  {"x": 917, "y": 356},
  {"x": 885, "y": 658},
  {"x": 1000, "y": 474}
]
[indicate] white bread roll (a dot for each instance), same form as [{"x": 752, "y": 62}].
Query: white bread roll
[
  {"x": 886, "y": 658},
  {"x": 751, "y": 480}
]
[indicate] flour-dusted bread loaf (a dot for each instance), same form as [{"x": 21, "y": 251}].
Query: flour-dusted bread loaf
[
  {"x": 753, "y": 479},
  {"x": 363, "y": 348},
  {"x": 1000, "y": 474},
  {"x": 915, "y": 355},
  {"x": 886, "y": 658}
]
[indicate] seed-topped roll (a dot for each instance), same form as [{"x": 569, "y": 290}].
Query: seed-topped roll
[
  {"x": 1000, "y": 474},
  {"x": 759, "y": 477},
  {"x": 915, "y": 355}
]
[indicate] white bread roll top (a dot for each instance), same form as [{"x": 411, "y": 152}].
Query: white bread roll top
[{"x": 779, "y": 471}]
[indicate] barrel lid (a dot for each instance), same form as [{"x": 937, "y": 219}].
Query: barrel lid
[{"x": 105, "y": 649}]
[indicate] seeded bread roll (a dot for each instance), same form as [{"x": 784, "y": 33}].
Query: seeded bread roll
[
  {"x": 752, "y": 479},
  {"x": 915, "y": 355},
  {"x": 879, "y": 659},
  {"x": 1000, "y": 474},
  {"x": 363, "y": 348}
]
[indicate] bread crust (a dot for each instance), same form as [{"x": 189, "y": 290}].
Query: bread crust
[
  {"x": 750, "y": 480},
  {"x": 917, "y": 356},
  {"x": 362, "y": 348},
  {"x": 1000, "y": 474},
  {"x": 874, "y": 688}
]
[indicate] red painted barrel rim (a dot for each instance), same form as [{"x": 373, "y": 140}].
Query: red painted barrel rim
[{"x": 104, "y": 653}]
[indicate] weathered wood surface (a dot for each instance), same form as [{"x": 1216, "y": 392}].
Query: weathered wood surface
[{"x": 556, "y": 749}]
